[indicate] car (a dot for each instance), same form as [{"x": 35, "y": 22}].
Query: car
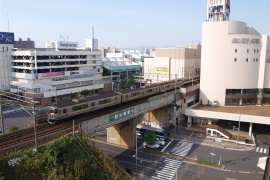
[
  {"x": 154, "y": 146},
  {"x": 160, "y": 142}
]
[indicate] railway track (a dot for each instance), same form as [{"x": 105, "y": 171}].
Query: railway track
[{"x": 25, "y": 138}]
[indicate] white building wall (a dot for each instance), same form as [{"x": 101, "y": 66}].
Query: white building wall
[
  {"x": 179, "y": 67},
  {"x": 219, "y": 71},
  {"x": 5, "y": 66},
  {"x": 267, "y": 64}
]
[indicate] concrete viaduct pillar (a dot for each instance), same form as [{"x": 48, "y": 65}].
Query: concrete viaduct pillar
[{"x": 123, "y": 134}]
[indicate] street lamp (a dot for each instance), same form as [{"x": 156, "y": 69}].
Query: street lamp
[
  {"x": 212, "y": 153},
  {"x": 238, "y": 131}
]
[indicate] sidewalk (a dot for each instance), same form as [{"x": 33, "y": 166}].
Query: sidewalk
[{"x": 198, "y": 136}]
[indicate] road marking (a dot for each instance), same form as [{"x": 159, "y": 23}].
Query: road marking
[
  {"x": 166, "y": 145},
  {"x": 265, "y": 151},
  {"x": 190, "y": 136},
  {"x": 167, "y": 169},
  {"x": 261, "y": 150},
  {"x": 183, "y": 149},
  {"x": 257, "y": 149},
  {"x": 243, "y": 172},
  {"x": 230, "y": 179}
]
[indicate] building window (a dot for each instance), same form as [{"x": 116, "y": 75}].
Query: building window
[
  {"x": 253, "y": 59},
  {"x": 257, "y": 50},
  {"x": 254, "y": 50},
  {"x": 256, "y": 59},
  {"x": 247, "y": 60},
  {"x": 235, "y": 59},
  {"x": 7, "y": 48},
  {"x": 235, "y": 50},
  {"x": 247, "y": 50},
  {"x": 94, "y": 56},
  {"x": 94, "y": 67},
  {"x": 94, "y": 62}
]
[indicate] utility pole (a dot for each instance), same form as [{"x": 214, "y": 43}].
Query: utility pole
[
  {"x": 136, "y": 154},
  {"x": 238, "y": 131},
  {"x": 1, "y": 116},
  {"x": 35, "y": 126}
]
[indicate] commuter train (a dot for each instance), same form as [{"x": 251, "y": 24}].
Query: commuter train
[{"x": 69, "y": 109}]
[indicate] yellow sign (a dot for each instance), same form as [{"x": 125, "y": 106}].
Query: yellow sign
[{"x": 161, "y": 70}]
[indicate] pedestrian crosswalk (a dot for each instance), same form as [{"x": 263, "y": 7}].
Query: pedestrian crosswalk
[
  {"x": 183, "y": 149},
  {"x": 167, "y": 169},
  {"x": 261, "y": 150}
]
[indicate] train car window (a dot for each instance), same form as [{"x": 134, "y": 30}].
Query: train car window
[
  {"x": 149, "y": 90},
  {"x": 53, "y": 110},
  {"x": 64, "y": 111},
  {"x": 105, "y": 101},
  {"x": 84, "y": 106},
  {"x": 126, "y": 96},
  {"x": 142, "y": 92},
  {"x": 75, "y": 108},
  {"x": 115, "y": 99},
  {"x": 92, "y": 104}
]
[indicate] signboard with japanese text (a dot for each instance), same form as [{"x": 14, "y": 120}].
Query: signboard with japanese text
[
  {"x": 6, "y": 38},
  {"x": 121, "y": 114},
  {"x": 161, "y": 70}
]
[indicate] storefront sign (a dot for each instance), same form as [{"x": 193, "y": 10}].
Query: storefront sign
[{"x": 53, "y": 74}]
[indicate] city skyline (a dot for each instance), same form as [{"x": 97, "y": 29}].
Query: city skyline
[{"x": 119, "y": 23}]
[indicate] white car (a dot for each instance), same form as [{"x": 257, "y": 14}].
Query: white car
[
  {"x": 154, "y": 146},
  {"x": 160, "y": 142}
]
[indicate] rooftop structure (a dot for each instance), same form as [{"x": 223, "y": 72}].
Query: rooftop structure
[{"x": 56, "y": 72}]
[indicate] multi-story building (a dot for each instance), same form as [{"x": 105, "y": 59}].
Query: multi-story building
[
  {"x": 6, "y": 45},
  {"x": 235, "y": 71},
  {"x": 171, "y": 63},
  {"x": 56, "y": 73}
]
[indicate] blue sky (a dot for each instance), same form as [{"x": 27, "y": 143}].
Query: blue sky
[{"x": 122, "y": 23}]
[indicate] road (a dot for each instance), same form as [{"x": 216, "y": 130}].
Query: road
[{"x": 150, "y": 166}]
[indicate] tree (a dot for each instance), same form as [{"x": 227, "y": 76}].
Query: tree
[
  {"x": 131, "y": 81},
  {"x": 122, "y": 84},
  {"x": 150, "y": 137}
]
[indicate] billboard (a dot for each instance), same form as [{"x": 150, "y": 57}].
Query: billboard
[
  {"x": 6, "y": 38},
  {"x": 161, "y": 70},
  {"x": 216, "y": 2}
]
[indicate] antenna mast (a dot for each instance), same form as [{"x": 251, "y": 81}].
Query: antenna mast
[
  {"x": 93, "y": 40},
  {"x": 8, "y": 22}
]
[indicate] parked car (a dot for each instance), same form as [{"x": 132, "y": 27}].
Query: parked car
[
  {"x": 160, "y": 142},
  {"x": 154, "y": 146}
]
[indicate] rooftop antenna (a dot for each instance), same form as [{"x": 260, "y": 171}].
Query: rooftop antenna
[
  {"x": 93, "y": 41},
  {"x": 93, "y": 32},
  {"x": 8, "y": 22}
]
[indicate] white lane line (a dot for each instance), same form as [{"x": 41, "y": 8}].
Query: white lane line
[
  {"x": 257, "y": 149},
  {"x": 243, "y": 172},
  {"x": 166, "y": 146},
  {"x": 261, "y": 150},
  {"x": 230, "y": 179},
  {"x": 265, "y": 150}
]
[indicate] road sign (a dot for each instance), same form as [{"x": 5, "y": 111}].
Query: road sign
[{"x": 121, "y": 114}]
